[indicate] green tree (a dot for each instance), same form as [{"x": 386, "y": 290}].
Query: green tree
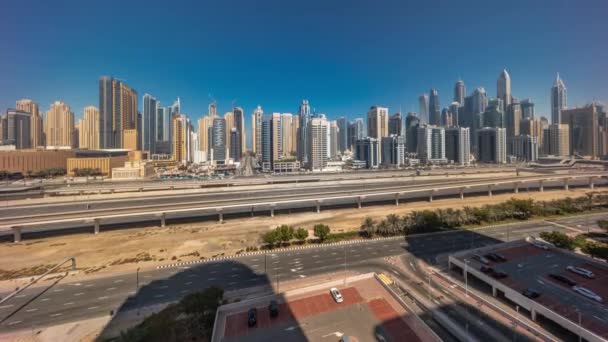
[
  {"x": 271, "y": 238},
  {"x": 559, "y": 239},
  {"x": 603, "y": 224},
  {"x": 284, "y": 233},
  {"x": 321, "y": 231},
  {"x": 301, "y": 234},
  {"x": 394, "y": 224},
  {"x": 368, "y": 227}
]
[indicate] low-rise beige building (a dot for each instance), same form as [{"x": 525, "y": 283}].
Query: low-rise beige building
[{"x": 34, "y": 161}]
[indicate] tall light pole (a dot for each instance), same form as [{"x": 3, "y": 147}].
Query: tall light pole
[
  {"x": 580, "y": 327},
  {"x": 466, "y": 278}
]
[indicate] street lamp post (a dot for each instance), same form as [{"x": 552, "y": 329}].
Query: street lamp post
[
  {"x": 466, "y": 278},
  {"x": 580, "y": 327}
]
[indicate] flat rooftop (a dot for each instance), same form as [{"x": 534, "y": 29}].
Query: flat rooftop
[
  {"x": 529, "y": 267},
  {"x": 369, "y": 313}
]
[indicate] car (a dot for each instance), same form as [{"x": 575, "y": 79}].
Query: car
[
  {"x": 587, "y": 293},
  {"x": 252, "y": 317},
  {"x": 499, "y": 274},
  {"x": 335, "y": 293},
  {"x": 499, "y": 257},
  {"x": 539, "y": 245},
  {"x": 273, "y": 308},
  {"x": 481, "y": 259},
  {"x": 562, "y": 279},
  {"x": 531, "y": 293},
  {"x": 581, "y": 271},
  {"x": 486, "y": 269}
]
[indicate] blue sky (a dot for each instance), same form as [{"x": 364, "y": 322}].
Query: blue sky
[{"x": 342, "y": 55}]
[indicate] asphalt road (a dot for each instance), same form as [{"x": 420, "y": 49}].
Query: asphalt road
[
  {"x": 66, "y": 302},
  {"x": 248, "y": 201}
]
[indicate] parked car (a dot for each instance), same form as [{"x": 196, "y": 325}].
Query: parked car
[
  {"x": 486, "y": 269},
  {"x": 581, "y": 271},
  {"x": 562, "y": 279},
  {"x": 252, "y": 317},
  {"x": 481, "y": 259},
  {"x": 499, "y": 257},
  {"x": 587, "y": 293},
  {"x": 273, "y": 308},
  {"x": 531, "y": 293},
  {"x": 335, "y": 293}
]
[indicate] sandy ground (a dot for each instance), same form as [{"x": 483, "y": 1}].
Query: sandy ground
[{"x": 124, "y": 250}]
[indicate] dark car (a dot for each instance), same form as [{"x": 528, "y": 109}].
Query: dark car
[
  {"x": 273, "y": 308},
  {"x": 486, "y": 269},
  {"x": 499, "y": 257},
  {"x": 563, "y": 279},
  {"x": 499, "y": 274},
  {"x": 531, "y": 293},
  {"x": 252, "y": 317}
]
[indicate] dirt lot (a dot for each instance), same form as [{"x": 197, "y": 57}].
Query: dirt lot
[{"x": 123, "y": 250}]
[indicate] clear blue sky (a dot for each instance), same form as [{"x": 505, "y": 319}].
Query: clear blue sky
[{"x": 342, "y": 55}]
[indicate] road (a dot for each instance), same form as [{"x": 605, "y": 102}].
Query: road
[
  {"x": 57, "y": 216},
  {"x": 66, "y": 302}
]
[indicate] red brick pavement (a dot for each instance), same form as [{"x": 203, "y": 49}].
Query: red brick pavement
[{"x": 392, "y": 323}]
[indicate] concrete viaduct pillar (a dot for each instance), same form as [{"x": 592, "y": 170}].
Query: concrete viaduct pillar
[
  {"x": 220, "y": 215},
  {"x": 397, "y": 199},
  {"x": 516, "y": 187},
  {"x": 96, "y": 226},
  {"x": 462, "y": 193},
  {"x": 17, "y": 234},
  {"x": 541, "y": 186},
  {"x": 490, "y": 189},
  {"x": 566, "y": 180},
  {"x": 272, "y": 209},
  {"x": 591, "y": 184},
  {"x": 431, "y": 195},
  {"x": 162, "y": 220},
  {"x": 359, "y": 200},
  {"x": 533, "y": 314},
  {"x": 318, "y": 207},
  {"x": 494, "y": 291}
]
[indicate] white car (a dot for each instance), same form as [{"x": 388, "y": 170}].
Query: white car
[
  {"x": 581, "y": 271},
  {"x": 335, "y": 293},
  {"x": 587, "y": 293},
  {"x": 537, "y": 243}
]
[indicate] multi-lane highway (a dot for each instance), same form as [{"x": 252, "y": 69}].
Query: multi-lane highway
[
  {"x": 64, "y": 302},
  {"x": 221, "y": 202}
]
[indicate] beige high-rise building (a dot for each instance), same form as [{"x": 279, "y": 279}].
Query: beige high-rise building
[
  {"x": 317, "y": 149},
  {"x": 59, "y": 125},
  {"x": 128, "y": 111},
  {"x": 180, "y": 138},
  {"x": 277, "y": 142},
  {"x": 533, "y": 128},
  {"x": 256, "y": 130},
  {"x": 377, "y": 123},
  {"x": 229, "y": 117},
  {"x": 204, "y": 124},
  {"x": 36, "y": 123},
  {"x": 295, "y": 125},
  {"x": 89, "y": 129},
  {"x": 556, "y": 140},
  {"x": 130, "y": 139},
  {"x": 584, "y": 130},
  {"x": 286, "y": 134}
]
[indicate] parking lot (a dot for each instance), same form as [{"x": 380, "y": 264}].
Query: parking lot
[
  {"x": 368, "y": 313},
  {"x": 530, "y": 267}
]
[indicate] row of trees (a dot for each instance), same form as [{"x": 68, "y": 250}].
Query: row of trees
[
  {"x": 592, "y": 248},
  {"x": 426, "y": 221},
  {"x": 284, "y": 234},
  {"x": 87, "y": 172}
]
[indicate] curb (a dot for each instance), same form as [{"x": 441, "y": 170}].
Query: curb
[{"x": 279, "y": 250}]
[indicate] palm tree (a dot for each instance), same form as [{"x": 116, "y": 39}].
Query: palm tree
[
  {"x": 368, "y": 227},
  {"x": 394, "y": 224}
]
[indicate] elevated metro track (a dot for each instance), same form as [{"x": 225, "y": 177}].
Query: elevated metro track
[{"x": 239, "y": 203}]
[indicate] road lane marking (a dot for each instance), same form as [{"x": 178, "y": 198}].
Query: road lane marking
[
  {"x": 14, "y": 322},
  {"x": 185, "y": 291},
  {"x": 56, "y": 314},
  {"x": 102, "y": 298},
  {"x": 20, "y": 296},
  {"x": 92, "y": 307},
  {"x": 192, "y": 275},
  {"x": 69, "y": 303},
  {"x": 210, "y": 279},
  {"x": 78, "y": 294},
  {"x": 164, "y": 287},
  {"x": 31, "y": 310},
  {"x": 6, "y": 306},
  {"x": 110, "y": 289},
  {"x": 45, "y": 299},
  {"x": 234, "y": 275},
  {"x": 232, "y": 283},
  {"x": 118, "y": 281},
  {"x": 57, "y": 290},
  {"x": 188, "y": 283},
  {"x": 159, "y": 296},
  {"x": 89, "y": 285}
]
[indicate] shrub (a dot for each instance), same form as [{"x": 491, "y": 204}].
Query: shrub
[
  {"x": 301, "y": 234},
  {"x": 321, "y": 231}
]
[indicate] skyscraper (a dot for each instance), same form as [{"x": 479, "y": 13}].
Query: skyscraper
[
  {"x": 527, "y": 109},
  {"x": 218, "y": 139},
  {"x": 16, "y": 128},
  {"x": 513, "y": 118},
  {"x": 455, "y": 108},
  {"x": 235, "y": 145},
  {"x": 584, "y": 130},
  {"x": 431, "y": 144},
  {"x": 556, "y": 140},
  {"x": 59, "y": 125},
  {"x": 411, "y": 126},
  {"x": 532, "y": 127},
  {"x": 181, "y": 135},
  {"x": 36, "y": 121},
  {"x": 149, "y": 124},
  {"x": 229, "y": 118},
  {"x": 239, "y": 124},
  {"x": 334, "y": 139},
  {"x": 355, "y": 132},
  {"x": 558, "y": 100},
  {"x": 492, "y": 145},
  {"x": 458, "y": 145},
  {"x": 393, "y": 150},
  {"x": 203, "y": 129},
  {"x": 368, "y": 150},
  {"x": 494, "y": 114},
  {"x": 423, "y": 108},
  {"x": 459, "y": 92},
  {"x": 256, "y": 130},
  {"x": 286, "y": 139},
  {"x": 117, "y": 111},
  {"x": 212, "y": 110},
  {"x": 88, "y": 130},
  {"x": 503, "y": 89},
  {"x": 343, "y": 144},
  {"x": 317, "y": 147},
  {"x": 303, "y": 135},
  {"x": 395, "y": 124},
  {"x": 434, "y": 108},
  {"x": 524, "y": 148}
]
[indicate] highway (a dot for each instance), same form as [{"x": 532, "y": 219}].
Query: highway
[
  {"x": 66, "y": 302},
  {"x": 235, "y": 201}
]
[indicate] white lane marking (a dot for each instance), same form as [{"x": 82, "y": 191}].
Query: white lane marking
[
  {"x": 232, "y": 283},
  {"x": 188, "y": 283},
  {"x": 56, "y": 314},
  {"x": 253, "y": 279},
  {"x": 14, "y": 322},
  {"x": 192, "y": 275},
  {"x": 159, "y": 296},
  {"x": 69, "y": 303},
  {"x": 110, "y": 289},
  {"x": 45, "y": 299},
  {"x": 31, "y": 310},
  {"x": 6, "y": 306},
  {"x": 20, "y": 296},
  {"x": 254, "y": 265},
  {"x": 315, "y": 256},
  {"x": 234, "y": 275},
  {"x": 78, "y": 294},
  {"x": 255, "y": 259},
  {"x": 302, "y": 276},
  {"x": 118, "y": 281},
  {"x": 58, "y": 290},
  {"x": 92, "y": 307},
  {"x": 76, "y": 284},
  {"x": 89, "y": 285},
  {"x": 102, "y": 298},
  {"x": 164, "y": 287}
]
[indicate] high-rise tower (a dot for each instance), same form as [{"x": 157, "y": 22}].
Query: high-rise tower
[
  {"x": 434, "y": 108},
  {"x": 503, "y": 89},
  {"x": 558, "y": 100}
]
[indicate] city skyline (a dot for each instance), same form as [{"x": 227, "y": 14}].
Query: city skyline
[{"x": 336, "y": 82}]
